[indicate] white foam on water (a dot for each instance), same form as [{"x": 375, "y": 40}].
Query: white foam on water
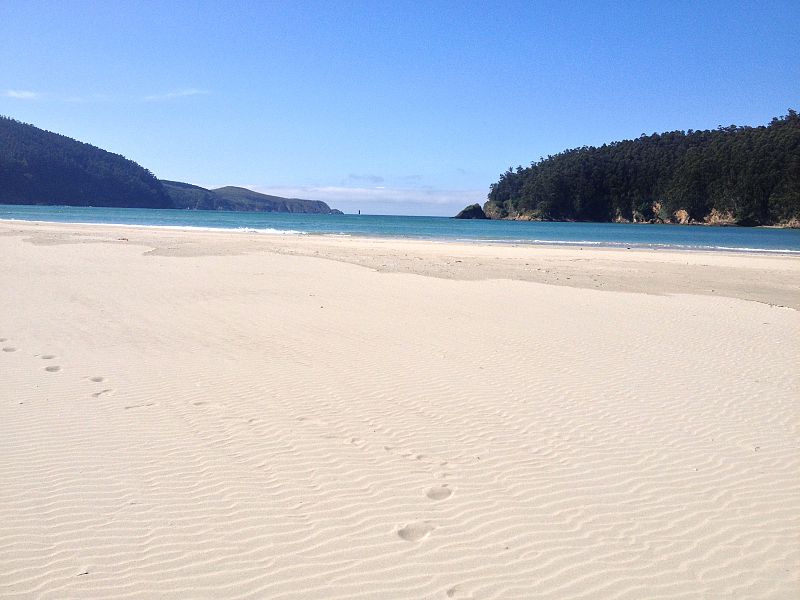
[
  {"x": 629, "y": 245},
  {"x": 264, "y": 230}
]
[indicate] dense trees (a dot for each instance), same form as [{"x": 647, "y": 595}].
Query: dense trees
[
  {"x": 746, "y": 175},
  {"x": 40, "y": 167}
]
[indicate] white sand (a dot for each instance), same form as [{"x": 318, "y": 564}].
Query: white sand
[{"x": 228, "y": 415}]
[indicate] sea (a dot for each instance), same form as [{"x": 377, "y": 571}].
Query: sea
[{"x": 439, "y": 229}]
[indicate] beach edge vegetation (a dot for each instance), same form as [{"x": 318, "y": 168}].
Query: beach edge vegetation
[{"x": 727, "y": 176}]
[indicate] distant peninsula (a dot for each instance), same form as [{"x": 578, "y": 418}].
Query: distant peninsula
[
  {"x": 727, "y": 176},
  {"x": 45, "y": 168},
  {"x": 192, "y": 197}
]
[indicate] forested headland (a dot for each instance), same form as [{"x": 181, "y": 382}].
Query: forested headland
[
  {"x": 41, "y": 167},
  {"x": 730, "y": 175}
]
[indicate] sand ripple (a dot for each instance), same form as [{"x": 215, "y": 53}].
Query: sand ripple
[{"x": 434, "y": 439}]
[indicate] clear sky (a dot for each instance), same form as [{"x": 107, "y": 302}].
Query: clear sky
[{"x": 390, "y": 107}]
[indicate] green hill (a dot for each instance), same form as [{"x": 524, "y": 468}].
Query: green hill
[
  {"x": 40, "y": 167},
  {"x": 731, "y": 175},
  {"x": 192, "y": 197},
  {"x": 185, "y": 195},
  {"x": 245, "y": 199}
]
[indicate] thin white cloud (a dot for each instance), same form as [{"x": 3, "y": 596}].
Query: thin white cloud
[
  {"x": 176, "y": 94},
  {"x": 22, "y": 94},
  {"x": 87, "y": 99},
  {"x": 367, "y": 178}
]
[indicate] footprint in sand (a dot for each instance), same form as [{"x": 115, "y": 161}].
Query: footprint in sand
[
  {"x": 99, "y": 379},
  {"x": 9, "y": 349},
  {"x": 439, "y": 492},
  {"x": 414, "y": 532},
  {"x": 457, "y": 592},
  {"x": 52, "y": 369},
  {"x": 132, "y": 406},
  {"x": 47, "y": 356},
  {"x": 311, "y": 421}
]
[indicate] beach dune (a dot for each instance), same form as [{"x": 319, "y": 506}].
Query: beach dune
[{"x": 232, "y": 415}]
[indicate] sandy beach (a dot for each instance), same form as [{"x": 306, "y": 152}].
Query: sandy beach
[{"x": 199, "y": 414}]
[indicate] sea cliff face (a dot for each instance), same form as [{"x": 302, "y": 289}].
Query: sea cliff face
[{"x": 659, "y": 216}]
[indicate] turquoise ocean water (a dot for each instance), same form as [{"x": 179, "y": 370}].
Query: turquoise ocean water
[{"x": 740, "y": 239}]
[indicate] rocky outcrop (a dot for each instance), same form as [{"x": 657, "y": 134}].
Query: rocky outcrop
[
  {"x": 492, "y": 210},
  {"x": 473, "y": 211},
  {"x": 793, "y": 223},
  {"x": 682, "y": 217},
  {"x": 654, "y": 214},
  {"x": 716, "y": 217}
]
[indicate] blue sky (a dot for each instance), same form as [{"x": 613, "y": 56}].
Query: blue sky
[{"x": 388, "y": 107}]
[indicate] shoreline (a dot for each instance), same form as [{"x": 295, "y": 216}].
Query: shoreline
[
  {"x": 769, "y": 278},
  {"x": 442, "y": 240},
  {"x": 791, "y": 224}
]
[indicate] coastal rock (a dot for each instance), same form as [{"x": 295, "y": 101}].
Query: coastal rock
[
  {"x": 716, "y": 217},
  {"x": 682, "y": 217},
  {"x": 493, "y": 210},
  {"x": 793, "y": 223},
  {"x": 659, "y": 215},
  {"x": 473, "y": 211},
  {"x": 620, "y": 218}
]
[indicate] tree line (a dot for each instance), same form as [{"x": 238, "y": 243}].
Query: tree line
[
  {"x": 741, "y": 175},
  {"x": 40, "y": 167}
]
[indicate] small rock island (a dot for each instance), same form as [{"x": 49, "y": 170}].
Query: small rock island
[{"x": 473, "y": 211}]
